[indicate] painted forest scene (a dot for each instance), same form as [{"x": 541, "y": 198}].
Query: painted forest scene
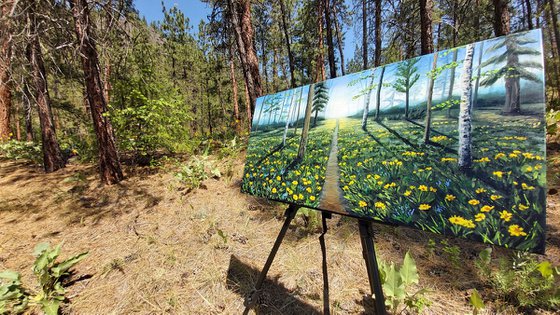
[{"x": 451, "y": 142}]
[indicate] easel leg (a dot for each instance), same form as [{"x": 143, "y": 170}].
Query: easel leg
[
  {"x": 250, "y": 301},
  {"x": 366, "y": 234},
  {"x": 326, "y": 303}
]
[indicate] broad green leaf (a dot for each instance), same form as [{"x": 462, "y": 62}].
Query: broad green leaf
[
  {"x": 408, "y": 272},
  {"x": 545, "y": 268},
  {"x": 51, "y": 307},
  {"x": 393, "y": 286},
  {"x": 10, "y": 275},
  {"x": 476, "y": 300},
  {"x": 62, "y": 267},
  {"x": 40, "y": 248},
  {"x": 486, "y": 255}
]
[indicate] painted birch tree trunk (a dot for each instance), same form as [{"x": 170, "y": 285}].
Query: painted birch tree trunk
[
  {"x": 451, "y": 85},
  {"x": 378, "y": 99},
  {"x": 429, "y": 100},
  {"x": 465, "y": 114},
  {"x": 306, "y": 123},
  {"x": 478, "y": 73},
  {"x": 298, "y": 109},
  {"x": 366, "y": 103},
  {"x": 290, "y": 106}
]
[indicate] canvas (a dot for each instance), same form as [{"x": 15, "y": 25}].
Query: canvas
[{"x": 451, "y": 143}]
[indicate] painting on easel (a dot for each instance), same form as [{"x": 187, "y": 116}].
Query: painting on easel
[{"x": 451, "y": 143}]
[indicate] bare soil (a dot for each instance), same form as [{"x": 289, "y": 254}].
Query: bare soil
[{"x": 155, "y": 247}]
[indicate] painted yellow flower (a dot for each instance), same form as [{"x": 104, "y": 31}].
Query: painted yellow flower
[
  {"x": 308, "y": 189},
  {"x": 474, "y": 202},
  {"x": 380, "y": 205},
  {"x": 495, "y": 197},
  {"x": 274, "y": 190},
  {"x": 450, "y": 197},
  {"x": 433, "y": 189},
  {"x": 424, "y": 207},
  {"x": 407, "y": 193},
  {"x": 500, "y": 155},
  {"x": 300, "y": 196},
  {"x": 312, "y": 198},
  {"x": 295, "y": 197},
  {"x": 294, "y": 183},
  {"x": 479, "y": 217},
  {"x": 469, "y": 224},
  {"x": 498, "y": 174},
  {"x": 516, "y": 230},
  {"x": 423, "y": 188},
  {"x": 527, "y": 187},
  {"x": 480, "y": 190},
  {"x": 506, "y": 216},
  {"x": 456, "y": 219},
  {"x": 523, "y": 207},
  {"x": 486, "y": 208},
  {"x": 362, "y": 203}
]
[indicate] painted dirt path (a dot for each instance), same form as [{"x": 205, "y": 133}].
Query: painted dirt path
[{"x": 331, "y": 196}]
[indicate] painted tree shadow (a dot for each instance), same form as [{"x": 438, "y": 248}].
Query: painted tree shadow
[
  {"x": 396, "y": 134},
  {"x": 275, "y": 297}
]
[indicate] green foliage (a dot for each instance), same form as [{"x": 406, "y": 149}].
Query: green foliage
[
  {"x": 50, "y": 273},
  {"x": 406, "y": 75},
  {"x": 552, "y": 120},
  {"x": 18, "y": 150},
  {"x": 522, "y": 280},
  {"x": 197, "y": 170},
  {"x": 398, "y": 286},
  {"x": 476, "y": 301},
  {"x": 452, "y": 253}
]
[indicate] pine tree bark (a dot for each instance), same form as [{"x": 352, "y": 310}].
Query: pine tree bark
[
  {"x": 330, "y": 42},
  {"x": 320, "y": 74},
  {"x": 364, "y": 35},
  {"x": 377, "y": 60},
  {"x": 426, "y": 38},
  {"x": 6, "y": 11},
  {"x": 26, "y": 97},
  {"x": 553, "y": 51},
  {"x": 501, "y": 17},
  {"x": 52, "y": 156},
  {"x": 288, "y": 43},
  {"x": 240, "y": 16},
  {"x": 234, "y": 89},
  {"x": 555, "y": 26},
  {"x": 339, "y": 40},
  {"x": 465, "y": 120},
  {"x": 109, "y": 165},
  {"x": 529, "y": 14}
]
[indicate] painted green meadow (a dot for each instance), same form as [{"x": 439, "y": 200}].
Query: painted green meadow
[{"x": 452, "y": 143}]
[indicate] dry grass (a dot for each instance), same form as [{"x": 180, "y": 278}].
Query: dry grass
[{"x": 155, "y": 248}]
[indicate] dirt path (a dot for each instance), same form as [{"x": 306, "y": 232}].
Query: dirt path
[{"x": 331, "y": 196}]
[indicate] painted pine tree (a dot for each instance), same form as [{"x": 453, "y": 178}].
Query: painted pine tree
[
  {"x": 407, "y": 76},
  {"x": 320, "y": 99}
]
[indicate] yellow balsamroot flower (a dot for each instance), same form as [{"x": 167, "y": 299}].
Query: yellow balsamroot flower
[
  {"x": 474, "y": 202},
  {"x": 480, "y": 190},
  {"x": 523, "y": 207},
  {"x": 380, "y": 205},
  {"x": 486, "y": 208},
  {"x": 495, "y": 197},
  {"x": 498, "y": 174},
  {"x": 274, "y": 190},
  {"x": 362, "y": 203},
  {"x": 450, "y": 197},
  {"x": 423, "y": 188},
  {"x": 506, "y": 216},
  {"x": 516, "y": 230},
  {"x": 407, "y": 193},
  {"x": 479, "y": 217},
  {"x": 312, "y": 198},
  {"x": 424, "y": 207}
]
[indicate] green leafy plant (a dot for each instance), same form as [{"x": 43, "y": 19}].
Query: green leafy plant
[
  {"x": 18, "y": 150},
  {"x": 398, "y": 286},
  {"x": 452, "y": 252},
  {"x": 50, "y": 274},
  {"x": 522, "y": 280},
  {"x": 476, "y": 301}
]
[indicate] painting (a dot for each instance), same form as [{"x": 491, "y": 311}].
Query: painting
[{"x": 452, "y": 143}]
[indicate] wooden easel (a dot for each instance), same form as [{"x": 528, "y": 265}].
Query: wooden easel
[{"x": 368, "y": 250}]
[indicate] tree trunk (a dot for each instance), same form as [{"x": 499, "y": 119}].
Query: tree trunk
[
  {"x": 555, "y": 26},
  {"x": 240, "y": 13},
  {"x": 366, "y": 102},
  {"x": 426, "y": 40},
  {"x": 501, "y": 17},
  {"x": 451, "y": 84},
  {"x": 429, "y": 100},
  {"x": 6, "y": 12},
  {"x": 258, "y": 121},
  {"x": 248, "y": 108},
  {"x": 26, "y": 99},
  {"x": 406, "y": 98},
  {"x": 529, "y": 14},
  {"x": 553, "y": 52},
  {"x": 377, "y": 60},
  {"x": 288, "y": 44},
  {"x": 339, "y": 40},
  {"x": 109, "y": 166},
  {"x": 320, "y": 75},
  {"x": 298, "y": 109},
  {"x": 234, "y": 90},
  {"x": 364, "y": 35},
  {"x": 306, "y": 123},
  {"x": 288, "y": 118},
  {"x": 465, "y": 120},
  {"x": 52, "y": 157},
  {"x": 512, "y": 102},
  {"x": 378, "y": 99},
  {"x": 330, "y": 42},
  {"x": 18, "y": 128},
  {"x": 478, "y": 73}
]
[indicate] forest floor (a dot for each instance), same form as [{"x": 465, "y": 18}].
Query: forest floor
[{"x": 155, "y": 247}]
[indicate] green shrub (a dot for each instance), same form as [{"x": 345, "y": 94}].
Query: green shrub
[
  {"x": 15, "y": 298},
  {"x": 19, "y": 150},
  {"x": 522, "y": 280}
]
